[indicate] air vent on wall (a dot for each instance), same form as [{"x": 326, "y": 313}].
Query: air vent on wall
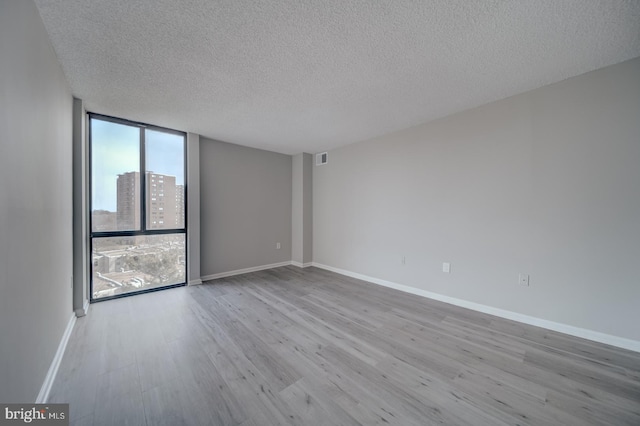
[{"x": 321, "y": 158}]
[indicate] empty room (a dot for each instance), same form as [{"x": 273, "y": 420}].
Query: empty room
[{"x": 337, "y": 212}]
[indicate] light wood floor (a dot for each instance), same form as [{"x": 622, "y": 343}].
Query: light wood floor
[{"x": 309, "y": 347}]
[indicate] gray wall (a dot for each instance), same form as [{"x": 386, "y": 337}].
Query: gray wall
[
  {"x": 545, "y": 183},
  {"x": 35, "y": 202},
  {"x": 307, "y": 211},
  {"x": 301, "y": 209},
  {"x": 245, "y": 207}
]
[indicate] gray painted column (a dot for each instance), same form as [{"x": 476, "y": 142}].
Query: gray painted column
[
  {"x": 80, "y": 211},
  {"x": 301, "y": 209},
  {"x": 193, "y": 209},
  {"x": 307, "y": 216}
]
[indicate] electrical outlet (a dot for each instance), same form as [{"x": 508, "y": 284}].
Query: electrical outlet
[
  {"x": 446, "y": 267},
  {"x": 277, "y": 246},
  {"x": 403, "y": 260},
  {"x": 523, "y": 279}
]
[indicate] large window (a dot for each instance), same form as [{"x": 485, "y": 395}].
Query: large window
[{"x": 138, "y": 207}]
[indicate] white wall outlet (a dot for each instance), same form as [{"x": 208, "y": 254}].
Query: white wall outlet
[
  {"x": 278, "y": 246},
  {"x": 446, "y": 267},
  {"x": 523, "y": 279},
  {"x": 403, "y": 260}
]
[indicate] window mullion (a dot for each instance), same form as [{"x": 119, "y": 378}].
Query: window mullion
[{"x": 143, "y": 182}]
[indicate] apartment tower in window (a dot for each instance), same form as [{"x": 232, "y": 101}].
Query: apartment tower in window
[
  {"x": 128, "y": 201},
  {"x": 164, "y": 204}
]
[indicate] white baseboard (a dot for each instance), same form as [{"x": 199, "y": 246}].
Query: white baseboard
[
  {"x": 596, "y": 336},
  {"x": 244, "y": 271},
  {"x": 83, "y": 311},
  {"x": 55, "y": 364},
  {"x": 195, "y": 282},
  {"x": 301, "y": 265}
]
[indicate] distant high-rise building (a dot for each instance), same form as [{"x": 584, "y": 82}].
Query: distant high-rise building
[
  {"x": 180, "y": 203},
  {"x": 128, "y": 201},
  {"x": 161, "y": 201},
  {"x": 164, "y": 203}
]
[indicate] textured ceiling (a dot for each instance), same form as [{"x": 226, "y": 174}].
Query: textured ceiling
[{"x": 309, "y": 75}]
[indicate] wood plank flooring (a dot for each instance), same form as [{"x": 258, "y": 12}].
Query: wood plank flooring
[{"x": 292, "y": 346}]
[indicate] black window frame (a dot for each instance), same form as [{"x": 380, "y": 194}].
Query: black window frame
[{"x": 143, "y": 199}]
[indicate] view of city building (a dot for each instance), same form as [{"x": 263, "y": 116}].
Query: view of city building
[
  {"x": 180, "y": 206},
  {"x": 128, "y": 213},
  {"x": 164, "y": 204},
  {"x": 126, "y": 264}
]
